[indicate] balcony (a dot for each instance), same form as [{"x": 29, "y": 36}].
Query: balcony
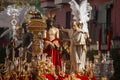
[
  {"x": 62, "y": 1},
  {"x": 47, "y": 3}
]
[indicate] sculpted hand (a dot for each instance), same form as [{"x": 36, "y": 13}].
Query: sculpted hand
[{"x": 50, "y": 43}]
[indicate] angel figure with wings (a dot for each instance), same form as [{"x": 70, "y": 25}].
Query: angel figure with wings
[{"x": 78, "y": 34}]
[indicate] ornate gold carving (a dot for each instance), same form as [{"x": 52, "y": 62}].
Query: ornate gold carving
[{"x": 36, "y": 26}]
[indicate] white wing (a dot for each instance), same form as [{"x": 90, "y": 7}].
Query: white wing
[
  {"x": 75, "y": 9},
  {"x": 84, "y": 14},
  {"x": 83, "y": 11}
]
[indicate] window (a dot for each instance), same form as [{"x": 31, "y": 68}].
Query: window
[{"x": 68, "y": 17}]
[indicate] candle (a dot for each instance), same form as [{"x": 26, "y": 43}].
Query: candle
[{"x": 64, "y": 68}]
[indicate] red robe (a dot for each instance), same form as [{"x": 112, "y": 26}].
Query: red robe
[
  {"x": 60, "y": 77},
  {"x": 82, "y": 77},
  {"x": 53, "y": 52},
  {"x": 50, "y": 76}
]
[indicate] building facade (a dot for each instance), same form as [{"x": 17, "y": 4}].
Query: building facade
[{"x": 105, "y": 16}]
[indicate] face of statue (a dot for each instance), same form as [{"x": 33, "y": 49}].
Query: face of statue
[
  {"x": 49, "y": 23},
  {"x": 74, "y": 26}
]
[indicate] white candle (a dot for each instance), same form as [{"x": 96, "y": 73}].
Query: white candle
[{"x": 64, "y": 67}]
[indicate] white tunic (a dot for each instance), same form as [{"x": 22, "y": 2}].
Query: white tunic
[{"x": 78, "y": 49}]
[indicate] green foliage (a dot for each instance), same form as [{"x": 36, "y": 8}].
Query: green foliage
[{"x": 38, "y": 6}]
